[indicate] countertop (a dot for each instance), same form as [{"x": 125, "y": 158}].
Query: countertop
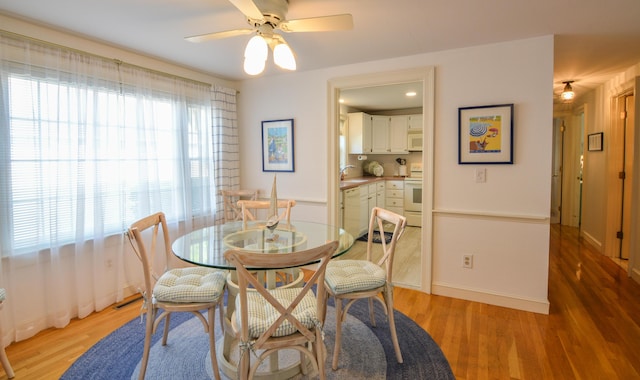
[{"x": 350, "y": 183}]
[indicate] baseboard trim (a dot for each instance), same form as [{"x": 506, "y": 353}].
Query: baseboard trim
[
  {"x": 591, "y": 240},
  {"x": 635, "y": 275},
  {"x": 535, "y": 306}
]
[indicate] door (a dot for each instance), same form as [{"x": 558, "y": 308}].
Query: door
[
  {"x": 620, "y": 159},
  {"x": 556, "y": 176}
]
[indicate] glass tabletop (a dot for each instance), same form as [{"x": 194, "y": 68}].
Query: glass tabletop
[{"x": 206, "y": 246}]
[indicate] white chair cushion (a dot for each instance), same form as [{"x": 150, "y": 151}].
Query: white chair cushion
[
  {"x": 193, "y": 284},
  {"x": 3, "y": 294},
  {"x": 346, "y": 276},
  {"x": 262, "y": 314}
]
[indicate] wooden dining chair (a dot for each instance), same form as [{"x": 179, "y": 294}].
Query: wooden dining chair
[
  {"x": 247, "y": 205},
  {"x": 351, "y": 280},
  {"x": 230, "y": 198},
  {"x": 190, "y": 289},
  {"x": 3, "y": 355},
  {"x": 268, "y": 320}
]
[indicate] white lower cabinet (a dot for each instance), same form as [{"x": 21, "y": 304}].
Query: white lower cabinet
[
  {"x": 351, "y": 200},
  {"x": 394, "y": 199}
]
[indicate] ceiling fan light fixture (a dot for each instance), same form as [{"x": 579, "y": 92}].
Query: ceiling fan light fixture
[
  {"x": 283, "y": 56},
  {"x": 255, "y": 55},
  {"x": 257, "y": 48},
  {"x": 567, "y": 92},
  {"x": 253, "y": 66}
]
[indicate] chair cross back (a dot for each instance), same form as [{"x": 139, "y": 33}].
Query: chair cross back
[
  {"x": 247, "y": 205},
  {"x": 230, "y": 198},
  {"x": 388, "y": 250},
  {"x": 245, "y": 263}
]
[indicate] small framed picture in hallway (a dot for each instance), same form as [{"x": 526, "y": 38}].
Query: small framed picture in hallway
[{"x": 594, "y": 141}]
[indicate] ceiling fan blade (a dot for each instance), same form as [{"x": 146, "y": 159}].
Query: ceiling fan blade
[
  {"x": 219, "y": 35},
  {"x": 248, "y": 8},
  {"x": 318, "y": 24}
]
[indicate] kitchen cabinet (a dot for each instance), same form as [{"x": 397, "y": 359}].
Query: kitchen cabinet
[
  {"x": 359, "y": 132},
  {"x": 372, "y": 201},
  {"x": 394, "y": 196},
  {"x": 389, "y": 134},
  {"x": 415, "y": 122},
  {"x": 398, "y": 126},
  {"x": 380, "y": 194},
  {"x": 341, "y": 209},
  {"x": 363, "y": 214},
  {"x": 351, "y": 217},
  {"x": 379, "y": 134}
]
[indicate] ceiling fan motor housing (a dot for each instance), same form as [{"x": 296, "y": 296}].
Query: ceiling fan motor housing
[{"x": 274, "y": 11}]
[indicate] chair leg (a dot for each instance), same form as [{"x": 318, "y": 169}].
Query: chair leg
[
  {"x": 371, "y": 315},
  {"x": 388, "y": 296},
  {"x": 221, "y": 308},
  {"x": 165, "y": 333},
  {"x": 320, "y": 354},
  {"x": 148, "y": 333},
  {"x": 336, "y": 348},
  {"x": 6, "y": 364},
  {"x": 212, "y": 342}
]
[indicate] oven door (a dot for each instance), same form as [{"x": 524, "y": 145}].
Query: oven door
[{"x": 413, "y": 195}]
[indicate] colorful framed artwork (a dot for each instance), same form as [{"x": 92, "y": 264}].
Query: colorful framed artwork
[
  {"x": 277, "y": 146},
  {"x": 594, "y": 142},
  {"x": 485, "y": 134}
]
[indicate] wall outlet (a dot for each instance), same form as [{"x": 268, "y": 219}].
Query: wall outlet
[{"x": 467, "y": 261}]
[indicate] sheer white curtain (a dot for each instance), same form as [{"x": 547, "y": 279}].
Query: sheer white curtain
[
  {"x": 87, "y": 146},
  {"x": 225, "y": 142}
]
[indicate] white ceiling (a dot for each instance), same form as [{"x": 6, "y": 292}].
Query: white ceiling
[{"x": 595, "y": 39}]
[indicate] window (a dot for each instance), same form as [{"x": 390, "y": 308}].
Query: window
[{"x": 88, "y": 158}]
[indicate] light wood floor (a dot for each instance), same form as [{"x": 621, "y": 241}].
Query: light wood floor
[
  {"x": 406, "y": 264},
  {"x": 592, "y": 332}
]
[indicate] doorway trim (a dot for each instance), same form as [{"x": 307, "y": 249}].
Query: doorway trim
[{"x": 426, "y": 75}]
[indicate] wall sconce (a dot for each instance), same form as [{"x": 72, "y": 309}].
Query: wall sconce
[{"x": 567, "y": 93}]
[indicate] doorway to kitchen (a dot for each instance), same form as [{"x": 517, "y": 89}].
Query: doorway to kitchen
[{"x": 426, "y": 77}]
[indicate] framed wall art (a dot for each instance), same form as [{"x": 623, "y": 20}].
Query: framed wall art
[
  {"x": 485, "y": 134},
  {"x": 594, "y": 141},
  {"x": 277, "y": 146}
]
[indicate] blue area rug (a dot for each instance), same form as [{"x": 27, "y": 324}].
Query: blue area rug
[{"x": 367, "y": 352}]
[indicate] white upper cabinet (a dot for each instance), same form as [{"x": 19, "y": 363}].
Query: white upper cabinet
[
  {"x": 398, "y": 134},
  {"x": 415, "y": 122},
  {"x": 379, "y": 134},
  {"x": 359, "y": 126},
  {"x": 389, "y": 134}
]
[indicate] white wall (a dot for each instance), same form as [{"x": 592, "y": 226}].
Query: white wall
[{"x": 503, "y": 222}]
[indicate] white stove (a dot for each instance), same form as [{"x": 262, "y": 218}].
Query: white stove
[{"x": 413, "y": 195}]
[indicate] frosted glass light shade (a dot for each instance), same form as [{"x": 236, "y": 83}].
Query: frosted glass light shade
[
  {"x": 256, "y": 48},
  {"x": 283, "y": 57},
  {"x": 255, "y": 55},
  {"x": 567, "y": 92},
  {"x": 254, "y": 66}
]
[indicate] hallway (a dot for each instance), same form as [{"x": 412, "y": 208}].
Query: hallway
[{"x": 592, "y": 331}]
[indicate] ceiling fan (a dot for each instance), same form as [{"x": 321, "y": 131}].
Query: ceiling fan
[{"x": 266, "y": 17}]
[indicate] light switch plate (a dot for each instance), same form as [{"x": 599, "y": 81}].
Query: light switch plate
[{"x": 481, "y": 175}]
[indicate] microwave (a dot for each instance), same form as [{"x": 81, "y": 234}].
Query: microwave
[{"x": 414, "y": 141}]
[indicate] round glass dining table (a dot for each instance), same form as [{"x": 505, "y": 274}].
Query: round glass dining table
[{"x": 206, "y": 246}]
